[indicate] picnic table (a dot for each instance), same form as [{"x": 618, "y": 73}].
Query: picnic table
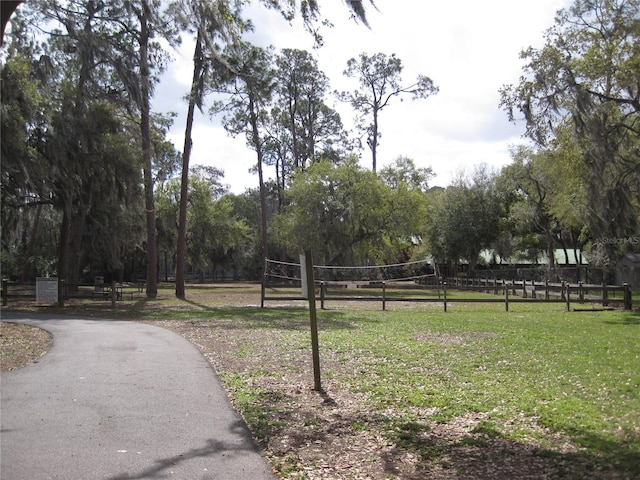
[{"x": 106, "y": 289}]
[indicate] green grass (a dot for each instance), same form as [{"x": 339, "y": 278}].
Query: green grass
[
  {"x": 247, "y": 399},
  {"x": 535, "y": 373},
  {"x": 577, "y": 374}
]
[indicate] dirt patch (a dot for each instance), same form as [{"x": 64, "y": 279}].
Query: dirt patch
[
  {"x": 21, "y": 345},
  {"x": 335, "y": 435}
]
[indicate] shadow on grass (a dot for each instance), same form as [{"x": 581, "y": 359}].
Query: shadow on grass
[
  {"x": 626, "y": 318},
  {"x": 597, "y": 456},
  {"x": 623, "y": 453},
  {"x": 278, "y": 318},
  {"x": 483, "y": 452},
  {"x": 288, "y": 317}
]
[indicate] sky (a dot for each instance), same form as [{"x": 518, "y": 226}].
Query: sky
[{"x": 470, "y": 49}]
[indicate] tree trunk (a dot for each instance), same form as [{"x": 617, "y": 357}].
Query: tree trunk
[
  {"x": 374, "y": 141},
  {"x": 293, "y": 108},
  {"x": 282, "y": 185},
  {"x": 574, "y": 246},
  {"x": 184, "y": 186},
  {"x": 263, "y": 194},
  {"x": 473, "y": 263},
  {"x": 551, "y": 257},
  {"x": 145, "y": 132},
  {"x": 65, "y": 240},
  {"x": 77, "y": 247},
  {"x": 31, "y": 245},
  {"x": 70, "y": 247}
]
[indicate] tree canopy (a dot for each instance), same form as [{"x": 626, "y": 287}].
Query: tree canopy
[
  {"x": 380, "y": 80},
  {"x": 92, "y": 183},
  {"x": 585, "y": 78}
]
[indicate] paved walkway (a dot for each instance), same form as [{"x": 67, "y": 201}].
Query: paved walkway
[{"x": 116, "y": 400}]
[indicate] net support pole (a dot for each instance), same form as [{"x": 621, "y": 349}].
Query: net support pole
[{"x": 313, "y": 320}]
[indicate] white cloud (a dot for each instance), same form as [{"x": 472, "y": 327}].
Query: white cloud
[{"x": 469, "y": 48}]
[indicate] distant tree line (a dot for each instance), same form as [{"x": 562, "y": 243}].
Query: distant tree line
[{"x": 91, "y": 185}]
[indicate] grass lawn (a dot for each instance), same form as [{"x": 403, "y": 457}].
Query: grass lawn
[
  {"x": 566, "y": 383},
  {"x": 414, "y": 392}
]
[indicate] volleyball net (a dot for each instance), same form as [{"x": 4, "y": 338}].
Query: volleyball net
[{"x": 287, "y": 273}]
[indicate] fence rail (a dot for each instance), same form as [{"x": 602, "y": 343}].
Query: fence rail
[
  {"x": 549, "y": 291},
  {"x": 108, "y": 291},
  {"x": 504, "y": 291}
]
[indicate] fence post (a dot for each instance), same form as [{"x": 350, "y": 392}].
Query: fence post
[
  {"x": 580, "y": 292},
  {"x": 444, "y": 287},
  {"x": 568, "y": 287},
  {"x": 322, "y": 294},
  {"x": 263, "y": 286},
  {"x": 627, "y": 297},
  {"x": 524, "y": 289},
  {"x": 114, "y": 294},
  {"x": 384, "y": 296},
  {"x": 506, "y": 298},
  {"x": 5, "y": 292},
  {"x": 546, "y": 289},
  {"x": 605, "y": 295},
  {"x": 61, "y": 292},
  {"x": 315, "y": 349},
  {"x": 562, "y": 291}
]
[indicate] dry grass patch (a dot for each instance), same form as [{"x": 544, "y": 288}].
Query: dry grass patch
[{"x": 21, "y": 345}]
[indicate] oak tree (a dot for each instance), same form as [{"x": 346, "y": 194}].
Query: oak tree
[{"x": 586, "y": 75}]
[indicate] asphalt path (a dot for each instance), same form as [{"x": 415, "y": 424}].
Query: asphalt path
[{"x": 116, "y": 400}]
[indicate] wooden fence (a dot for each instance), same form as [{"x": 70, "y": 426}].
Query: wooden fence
[
  {"x": 515, "y": 291},
  {"x": 507, "y": 292},
  {"x": 108, "y": 291}
]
